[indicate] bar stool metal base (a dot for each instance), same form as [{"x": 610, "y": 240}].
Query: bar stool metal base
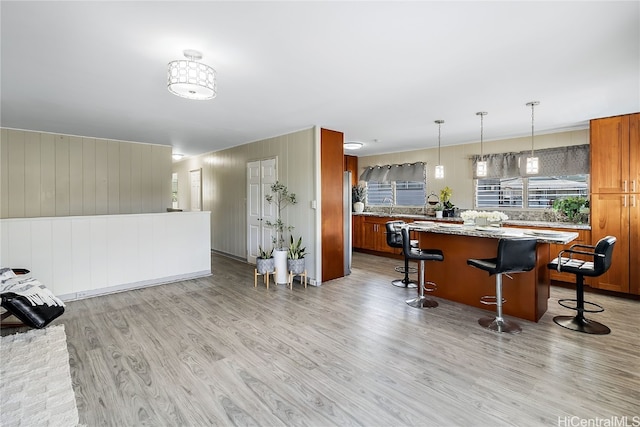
[
  {"x": 580, "y": 324},
  {"x": 500, "y": 325},
  {"x": 421, "y": 301},
  {"x": 411, "y": 284}
]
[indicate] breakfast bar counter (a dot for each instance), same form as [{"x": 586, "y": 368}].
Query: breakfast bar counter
[{"x": 526, "y": 295}]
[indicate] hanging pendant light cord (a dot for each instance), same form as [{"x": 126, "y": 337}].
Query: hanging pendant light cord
[
  {"x": 481, "y": 114},
  {"x": 532, "y": 104},
  {"x": 481, "y": 135},
  {"x": 439, "y": 144},
  {"x": 439, "y": 122}
]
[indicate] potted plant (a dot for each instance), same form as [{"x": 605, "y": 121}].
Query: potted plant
[
  {"x": 445, "y": 199},
  {"x": 574, "y": 208},
  {"x": 295, "y": 256},
  {"x": 281, "y": 196},
  {"x": 439, "y": 208},
  {"x": 358, "y": 193},
  {"x": 265, "y": 263}
]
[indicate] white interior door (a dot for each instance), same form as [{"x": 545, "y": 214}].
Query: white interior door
[{"x": 260, "y": 175}]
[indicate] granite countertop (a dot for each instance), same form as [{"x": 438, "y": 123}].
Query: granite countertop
[
  {"x": 533, "y": 224},
  {"x": 495, "y": 232}
]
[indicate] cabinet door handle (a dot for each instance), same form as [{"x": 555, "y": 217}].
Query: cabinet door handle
[
  {"x": 633, "y": 186},
  {"x": 624, "y": 186},
  {"x": 633, "y": 200},
  {"x": 624, "y": 201}
]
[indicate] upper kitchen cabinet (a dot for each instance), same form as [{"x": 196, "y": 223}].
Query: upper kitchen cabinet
[
  {"x": 615, "y": 154},
  {"x": 615, "y": 197}
]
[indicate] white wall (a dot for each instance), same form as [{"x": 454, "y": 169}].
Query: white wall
[
  {"x": 457, "y": 160},
  {"x": 81, "y": 256}
]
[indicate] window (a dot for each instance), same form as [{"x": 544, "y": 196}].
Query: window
[
  {"x": 398, "y": 193},
  {"x": 410, "y": 193},
  {"x": 496, "y": 192},
  {"x": 379, "y": 193},
  {"x": 398, "y": 185},
  {"x": 564, "y": 172},
  {"x": 544, "y": 190},
  {"x": 532, "y": 192}
]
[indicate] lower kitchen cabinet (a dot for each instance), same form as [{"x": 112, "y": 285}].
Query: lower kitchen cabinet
[
  {"x": 357, "y": 234},
  {"x": 371, "y": 234}
]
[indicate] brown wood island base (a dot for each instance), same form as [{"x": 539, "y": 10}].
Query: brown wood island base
[{"x": 526, "y": 295}]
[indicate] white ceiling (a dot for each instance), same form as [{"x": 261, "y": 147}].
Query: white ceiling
[{"x": 381, "y": 72}]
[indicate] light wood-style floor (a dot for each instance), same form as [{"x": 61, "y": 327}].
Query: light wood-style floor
[{"x": 217, "y": 351}]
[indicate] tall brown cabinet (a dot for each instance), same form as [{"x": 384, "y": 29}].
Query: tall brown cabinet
[
  {"x": 331, "y": 167},
  {"x": 615, "y": 197}
]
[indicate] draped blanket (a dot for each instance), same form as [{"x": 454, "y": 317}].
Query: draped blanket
[{"x": 32, "y": 289}]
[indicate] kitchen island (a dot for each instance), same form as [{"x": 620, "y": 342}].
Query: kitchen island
[{"x": 526, "y": 295}]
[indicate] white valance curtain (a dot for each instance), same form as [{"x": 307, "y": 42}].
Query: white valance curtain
[
  {"x": 388, "y": 173},
  {"x": 571, "y": 160}
]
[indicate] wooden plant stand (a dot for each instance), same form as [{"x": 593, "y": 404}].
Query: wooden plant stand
[
  {"x": 265, "y": 277},
  {"x": 303, "y": 276}
]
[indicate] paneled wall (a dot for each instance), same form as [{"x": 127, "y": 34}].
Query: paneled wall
[
  {"x": 224, "y": 188},
  {"x": 47, "y": 175},
  {"x": 457, "y": 160}
]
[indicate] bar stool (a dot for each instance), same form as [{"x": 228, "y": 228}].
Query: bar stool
[
  {"x": 420, "y": 255},
  {"x": 600, "y": 260},
  {"x": 394, "y": 239},
  {"x": 515, "y": 255}
]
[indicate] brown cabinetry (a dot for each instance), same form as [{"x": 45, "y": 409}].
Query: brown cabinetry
[
  {"x": 351, "y": 165},
  {"x": 375, "y": 235},
  {"x": 357, "y": 230},
  {"x": 369, "y": 233},
  {"x": 615, "y": 197}
]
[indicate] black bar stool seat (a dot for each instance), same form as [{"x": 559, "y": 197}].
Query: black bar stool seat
[
  {"x": 598, "y": 260},
  {"x": 515, "y": 255},
  {"x": 420, "y": 255}
]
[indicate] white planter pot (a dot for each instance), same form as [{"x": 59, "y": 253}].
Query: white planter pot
[
  {"x": 438, "y": 214},
  {"x": 358, "y": 207},
  {"x": 280, "y": 256}
]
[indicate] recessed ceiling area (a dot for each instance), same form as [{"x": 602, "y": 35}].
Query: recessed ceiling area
[{"x": 381, "y": 72}]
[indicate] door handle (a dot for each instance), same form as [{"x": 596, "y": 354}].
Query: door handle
[
  {"x": 624, "y": 201},
  {"x": 624, "y": 186}
]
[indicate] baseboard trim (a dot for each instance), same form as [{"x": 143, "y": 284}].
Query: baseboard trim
[{"x": 133, "y": 285}]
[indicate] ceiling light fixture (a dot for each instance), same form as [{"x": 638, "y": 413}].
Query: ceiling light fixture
[
  {"x": 353, "y": 145},
  {"x": 481, "y": 165},
  {"x": 177, "y": 156},
  {"x": 439, "y": 166},
  {"x": 191, "y": 79},
  {"x": 532, "y": 162}
]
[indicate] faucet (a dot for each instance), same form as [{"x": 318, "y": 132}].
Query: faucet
[{"x": 388, "y": 199}]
